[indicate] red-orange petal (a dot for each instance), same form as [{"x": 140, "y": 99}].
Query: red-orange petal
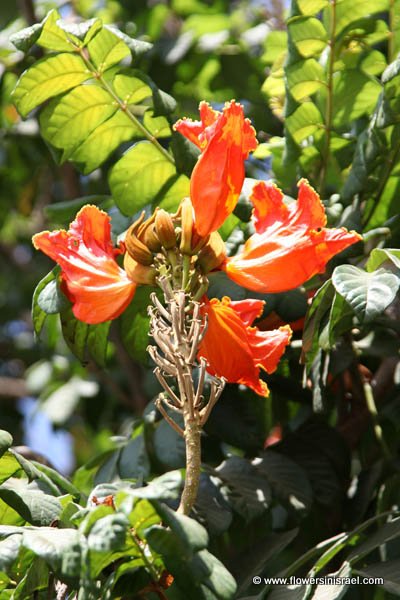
[
  {"x": 290, "y": 245},
  {"x": 225, "y": 140},
  {"x": 236, "y": 351},
  {"x": 98, "y": 288},
  {"x": 198, "y": 132}
]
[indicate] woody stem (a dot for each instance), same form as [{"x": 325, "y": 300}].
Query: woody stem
[{"x": 193, "y": 463}]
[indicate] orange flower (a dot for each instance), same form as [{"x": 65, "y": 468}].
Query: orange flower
[
  {"x": 225, "y": 140},
  {"x": 98, "y": 288},
  {"x": 291, "y": 243},
  {"x": 235, "y": 350}
]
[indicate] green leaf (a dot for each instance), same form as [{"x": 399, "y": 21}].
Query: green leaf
[
  {"x": 304, "y": 121},
  {"x": 354, "y": 94},
  {"x": 219, "y": 581},
  {"x": 62, "y": 482},
  {"x": 350, "y": 11},
  {"x": 159, "y": 127},
  {"x": 33, "y": 505},
  {"x": 135, "y": 325},
  {"x": 137, "y": 47},
  {"x": 54, "y": 37},
  {"x": 339, "y": 321},
  {"x": 388, "y": 570},
  {"x": 38, "y": 315},
  {"x": 264, "y": 551},
  {"x": 316, "y": 318},
  {"x": 288, "y": 481},
  {"x": 24, "y": 40},
  {"x": 48, "y": 77},
  {"x": 211, "y": 509},
  {"x": 9, "y": 550},
  {"x": 133, "y": 462},
  {"x": 191, "y": 534},
  {"x": 84, "y": 31},
  {"x": 9, "y": 465},
  {"x": 304, "y": 78},
  {"x": 83, "y": 339},
  {"x": 59, "y": 548},
  {"x": 369, "y": 294},
  {"x": 185, "y": 153},
  {"x": 106, "y": 49},
  {"x": 6, "y": 441},
  {"x": 173, "y": 192},
  {"x": 169, "y": 446},
  {"x": 308, "y": 35},
  {"x": 386, "y": 532},
  {"x": 379, "y": 256},
  {"x": 66, "y": 122},
  {"x": 108, "y": 533},
  {"x": 131, "y": 89},
  {"x": 139, "y": 176},
  {"x": 35, "y": 580},
  {"x": 65, "y": 211},
  {"x": 247, "y": 489},
  {"x": 166, "y": 487},
  {"x": 336, "y": 590},
  {"x": 312, "y": 7},
  {"x": 51, "y": 299},
  {"x": 105, "y": 139}
]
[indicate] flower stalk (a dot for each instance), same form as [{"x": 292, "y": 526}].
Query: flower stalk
[{"x": 178, "y": 329}]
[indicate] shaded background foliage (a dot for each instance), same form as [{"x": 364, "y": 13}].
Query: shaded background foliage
[{"x": 294, "y": 470}]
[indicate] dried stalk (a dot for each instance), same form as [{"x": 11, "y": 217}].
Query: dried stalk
[{"x": 178, "y": 328}]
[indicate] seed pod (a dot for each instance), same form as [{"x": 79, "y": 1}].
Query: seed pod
[{"x": 165, "y": 229}]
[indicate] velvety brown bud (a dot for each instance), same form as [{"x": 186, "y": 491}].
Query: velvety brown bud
[
  {"x": 165, "y": 229},
  {"x": 139, "y": 273},
  {"x": 137, "y": 250},
  {"x": 186, "y": 214},
  {"x": 150, "y": 238},
  {"x": 213, "y": 253}
]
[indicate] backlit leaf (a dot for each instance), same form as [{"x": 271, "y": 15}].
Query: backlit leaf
[
  {"x": 106, "y": 49},
  {"x": 47, "y": 78},
  {"x": 139, "y": 176}
]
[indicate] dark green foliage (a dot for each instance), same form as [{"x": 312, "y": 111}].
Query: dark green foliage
[{"x": 283, "y": 491}]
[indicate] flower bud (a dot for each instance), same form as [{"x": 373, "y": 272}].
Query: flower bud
[
  {"x": 136, "y": 249},
  {"x": 165, "y": 229},
  {"x": 186, "y": 214},
  {"x": 151, "y": 239},
  {"x": 139, "y": 273},
  {"x": 212, "y": 254}
]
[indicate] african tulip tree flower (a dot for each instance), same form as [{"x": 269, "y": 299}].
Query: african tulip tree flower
[
  {"x": 97, "y": 287},
  {"x": 225, "y": 140},
  {"x": 235, "y": 350},
  {"x": 291, "y": 243}
]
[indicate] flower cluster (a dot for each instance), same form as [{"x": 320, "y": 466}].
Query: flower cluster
[{"x": 289, "y": 246}]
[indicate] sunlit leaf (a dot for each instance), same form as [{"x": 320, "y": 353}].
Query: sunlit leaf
[
  {"x": 47, "y": 78},
  {"x": 139, "y": 176}
]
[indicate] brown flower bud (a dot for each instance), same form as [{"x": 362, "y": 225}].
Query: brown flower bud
[
  {"x": 139, "y": 273},
  {"x": 186, "y": 214},
  {"x": 151, "y": 239},
  {"x": 165, "y": 229},
  {"x": 213, "y": 253},
  {"x": 136, "y": 249}
]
